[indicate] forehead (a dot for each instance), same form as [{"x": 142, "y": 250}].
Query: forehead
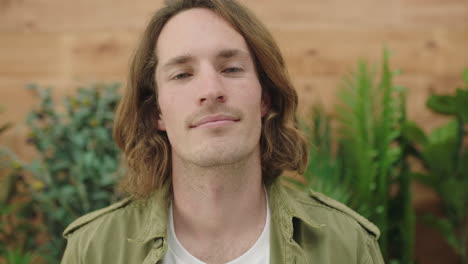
[{"x": 198, "y": 32}]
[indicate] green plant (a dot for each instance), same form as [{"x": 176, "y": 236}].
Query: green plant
[
  {"x": 444, "y": 155},
  {"x": 401, "y": 212},
  {"x": 6, "y": 189},
  {"x": 324, "y": 169},
  {"x": 17, "y": 257},
  {"x": 5, "y": 126},
  {"x": 370, "y": 120},
  {"x": 17, "y": 230},
  {"x": 78, "y": 163},
  {"x": 17, "y": 233},
  {"x": 368, "y": 158}
]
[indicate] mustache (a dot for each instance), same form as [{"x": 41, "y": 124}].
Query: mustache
[{"x": 213, "y": 110}]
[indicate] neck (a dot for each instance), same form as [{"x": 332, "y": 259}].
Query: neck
[{"x": 217, "y": 204}]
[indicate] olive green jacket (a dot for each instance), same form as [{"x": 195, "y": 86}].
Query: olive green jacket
[{"x": 305, "y": 228}]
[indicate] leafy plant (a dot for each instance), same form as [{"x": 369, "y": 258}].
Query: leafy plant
[
  {"x": 5, "y": 126},
  {"x": 17, "y": 230},
  {"x": 370, "y": 120},
  {"x": 79, "y": 162},
  {"x": 17, "y": 233},
  {"x": 5, "y": 164},
  {"x": 324, "y": 170},
  {"x": 444, "y": 155},
  {"x": 17, "y": 257},
  {"x": 368, "y": 159}
]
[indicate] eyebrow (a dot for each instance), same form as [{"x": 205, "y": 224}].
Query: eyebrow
[
  {"x": 186, "y": 58},
  {"x": 229, "y": 53}
]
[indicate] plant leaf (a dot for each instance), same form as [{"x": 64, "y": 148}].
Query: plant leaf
[
  {"x": 412, "y": 133},
  {"x": 443, "y": 104}
]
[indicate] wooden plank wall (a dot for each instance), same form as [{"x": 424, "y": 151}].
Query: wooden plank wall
[{"x": 67, "y": 43}]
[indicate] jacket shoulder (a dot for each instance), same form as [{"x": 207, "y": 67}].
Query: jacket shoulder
[
  {"x": 335, "y": 205},
  {"x": 90, "y": 217}
]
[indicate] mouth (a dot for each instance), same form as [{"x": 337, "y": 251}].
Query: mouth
[{"x": 215, "y": 120}]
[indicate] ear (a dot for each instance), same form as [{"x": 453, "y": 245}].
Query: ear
[
  {"x": 266, "y": 103},
  {"x": 161, "y": 125}
]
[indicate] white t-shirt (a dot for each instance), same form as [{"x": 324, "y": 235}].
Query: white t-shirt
[{"x": 259, "y": 253}]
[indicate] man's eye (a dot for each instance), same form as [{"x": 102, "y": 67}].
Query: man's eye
[
  {"x": 232, "y": 69},
  {"x": 181, "y": 76}
]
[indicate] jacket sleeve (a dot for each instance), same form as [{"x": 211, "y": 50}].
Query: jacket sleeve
[{"x": 374, "y": 254}]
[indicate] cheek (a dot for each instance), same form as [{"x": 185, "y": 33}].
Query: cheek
[
  {"x": 165, "y": 115},
  {"x": 254, "y": 97},
  {"x": 173, "y": 114}
]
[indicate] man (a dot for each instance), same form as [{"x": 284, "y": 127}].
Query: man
[{"x": 207, "y": 126}]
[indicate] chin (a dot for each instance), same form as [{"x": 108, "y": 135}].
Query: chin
[
  {"x": 221, "y": 156},
  {"x": 218, "y": 159}
]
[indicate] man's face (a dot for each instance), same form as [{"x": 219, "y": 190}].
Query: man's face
[{"x": 208, "y": 90}]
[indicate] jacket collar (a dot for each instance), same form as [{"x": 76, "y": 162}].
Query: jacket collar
[
  {"x": 284, "y": 204},
  {"x": 155, "y": 216}
]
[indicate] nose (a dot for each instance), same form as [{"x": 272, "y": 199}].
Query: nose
[{"x": 212, "y": 89}]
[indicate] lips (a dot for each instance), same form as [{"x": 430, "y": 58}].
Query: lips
[{"x": 213, "y": 119}]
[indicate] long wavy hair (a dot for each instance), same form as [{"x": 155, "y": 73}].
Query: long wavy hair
[{"x": 147, "y": 151}]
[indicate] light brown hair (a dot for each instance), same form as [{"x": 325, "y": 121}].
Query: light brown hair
[{"x": 147, "y": 151}]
